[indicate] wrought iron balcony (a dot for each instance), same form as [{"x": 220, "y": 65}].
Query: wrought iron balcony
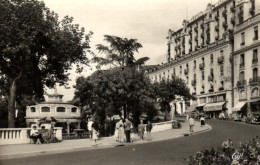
[
  {"x": 186, "y": 71},
  {"x": 201, "y": 66},
  {"x": 241, "y": 83},
  {"x": 193, "y": 82},
  {"x": 221, "y": 88},
  {"x": 255, "y": 61},
  {"x": 210, "y": 78},
  {"x": 220, "y": 59},
  {"x": 211, "y": 90},
  {"x": 254, "y": 80}
]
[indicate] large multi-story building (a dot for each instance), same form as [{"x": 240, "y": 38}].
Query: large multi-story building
[{"x": 206, "y": 53}]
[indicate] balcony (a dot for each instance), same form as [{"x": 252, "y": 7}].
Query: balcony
[
  {"x": 221, "y": 88},
  {"x": 196, "y": 28},
  {"x": 232, "y": 9},
  {"x": 252, "y": 11},
  {"x": 201, "y": 66},
  {"x": 233, "y": 20},
  {"x": 241, "y": 83},
  {"x": 190, "y": 31},
  {"x": 210, "y": 78},
  {"x": 216, "y": 28},
  {"x": 224, "y": 13},
  {"x": 190, "y": 41},
  {"x": 202, "y": 92},
  {"x": 242, "y": 65},
  {"x": 224, "y": 24},
  {"x": 216, "y": 38},
  {"x": 221, "y": 59},
  {"x": 193, "y": 82},
  {"x": 202, "y": 25},
  {"x": 255, "y": 61},
  {"x": 202, "y": 35},
  {"x": 216, "y": 17},
  {"x": 186, "y": 71},
  {"x": 254, "y": 81},
  {"x": 211, "y": 90}
]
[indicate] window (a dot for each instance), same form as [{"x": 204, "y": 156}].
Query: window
[
  {"x": 212, "y": 99},
  {"x": 33, "y": 109},
  {"x": 202, "y": 100},
  {"x": 202, "y": 75},
  {"x": 255, "y": 74},
  {"x": 194, "y": 63},
  {"x": 211, "y": 72},
  {"x": 242, "y": 60},
  {"x": 242, "y": 94},
  {"x": 255, "y": 59},
  {"x": 242, "y": 76},
  {"x": 74, "y": 109},
  {"x": 211, "y": 58},
  {"x": 46, "y": 109},
  {"x": 221, "y": 98},
  {"x": 60, "y": 109},
  {"x": 194, "y": 77},
  {"x": 180, "y": 69},
  {"x": 242, "y": 38},
  {"x": 174, "y": 72},
  {"x": 202, "y": 87},
  {"x": 221, "y": 70},
  {"x": 255, "y": 33},
  {"x": 222, "y": 84},
  {"x": 255, "y": 92}
]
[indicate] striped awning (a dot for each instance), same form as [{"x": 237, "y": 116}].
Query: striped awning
[
  {"x": 238, "y": 106},
  {"x": 214, "y": 106}
]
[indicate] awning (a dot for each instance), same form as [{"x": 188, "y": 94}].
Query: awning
[
  {"x": 201, "y": 105},
  {"x": 214, "y": 106},
  {"x": 238, "y": 106},
  {"x": 253, "y": 100},
  {"x": 191, "y": 108}
]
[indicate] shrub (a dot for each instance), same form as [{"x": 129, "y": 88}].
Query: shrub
[{"x": 249, "y": 154}]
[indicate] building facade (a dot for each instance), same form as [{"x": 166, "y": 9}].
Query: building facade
[
  {"x": 65, "y": 115},
  {"x": 205, "y": 53}
]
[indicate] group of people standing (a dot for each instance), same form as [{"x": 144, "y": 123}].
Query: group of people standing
[
  {"x": 192, "y": 122},
  {"x": 43, "y": 135},
  {"x": 124, "y": 129}
]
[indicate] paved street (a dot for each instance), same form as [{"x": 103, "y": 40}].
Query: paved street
[{"x": 164, "y": 152}]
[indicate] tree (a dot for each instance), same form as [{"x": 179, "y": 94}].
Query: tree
[
  {"x": 36, "y": 49},
  {"x": 120, "y": 52},
  {"x": 167, "y": 90}
]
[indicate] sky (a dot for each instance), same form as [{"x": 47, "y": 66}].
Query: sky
[{"x": 148, "y": 21}]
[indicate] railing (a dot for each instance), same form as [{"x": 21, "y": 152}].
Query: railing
[
  {"x": 255, "y": 61},
  {"x": 242, "y": 65},
  {"x": 241, "y": 83},
  {"x": 193, "y": 82},
  {"x": 186, "y": 71},
  {"x": 254, "y": 80},
  {"x": 21, "y": 135},
  {"x": 221, "y": 88},
  {"x": 201, "y": 66},
  {"x": 220, "y": 59},
  {"x": 210, "y": 78}
]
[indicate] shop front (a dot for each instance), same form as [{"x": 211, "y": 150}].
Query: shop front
[{"x": 214, "y": 110}]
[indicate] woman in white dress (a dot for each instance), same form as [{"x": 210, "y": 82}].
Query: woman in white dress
[
  {"x": 121, "y": 131},
  {"x": 116, "y": 134}
]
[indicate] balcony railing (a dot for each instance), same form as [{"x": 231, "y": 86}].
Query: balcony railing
[
  {"x": 242, "y": 65},
  {"x": 241, "y": 83},
  {"x": 221, "y": 88},
  {"x": 186, "y": 71},
  {"x": 201, "y": 66},
  {"x": 211, "y": 90},
  {"x": 220, "y": 59},
  {"x": 210, "y": 78},
  {"x": 202, "y": 92},
  {"x": 232, "y": 9},
  {"x": 255, "y": 61},
  {"x": 193, "y": 82},
  {"x": 254, "y": 80}
]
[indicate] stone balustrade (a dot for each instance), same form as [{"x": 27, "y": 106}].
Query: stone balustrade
[{"x": 21, "y": 135}]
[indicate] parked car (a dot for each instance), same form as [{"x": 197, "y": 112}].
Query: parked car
[
  {"x": 223, "y": 116},
  {"x": 253, "y": 118},
  {"x": 236, "y": 117}
]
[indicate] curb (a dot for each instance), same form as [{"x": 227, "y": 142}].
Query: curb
[{"x": 109, "y": 145}]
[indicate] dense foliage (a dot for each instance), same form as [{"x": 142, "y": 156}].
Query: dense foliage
[
  {"x": 247, "y": 153},
  {"x": 36, "y": 50}
]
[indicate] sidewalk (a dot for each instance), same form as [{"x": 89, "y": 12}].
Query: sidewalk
[{"x": 26, "y": 150}]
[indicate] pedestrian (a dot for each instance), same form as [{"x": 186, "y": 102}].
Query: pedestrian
[
  {"x": 187, "y": 117},
  {"x": 149, "y": 127},
  {"x": 191, "y": 123},
  {"x": 95, "y": 129},
  {"x": 141, "y": 130},
  {"x": 128, "y": 126},
  {"x": 121, "y": 131},
  {"x": 90, "y": 122},
  {"x": 202, "y": 121},
  {"x": 35, "y": 135},
  {"x": 116, "y": 134}
]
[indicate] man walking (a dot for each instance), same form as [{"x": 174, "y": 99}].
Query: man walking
[
  {"x": 127, "y": 130},
  {"x": 191, "y": 123}
]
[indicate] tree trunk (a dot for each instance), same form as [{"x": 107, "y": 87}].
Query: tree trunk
[{"x": 11, "y": 104}]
